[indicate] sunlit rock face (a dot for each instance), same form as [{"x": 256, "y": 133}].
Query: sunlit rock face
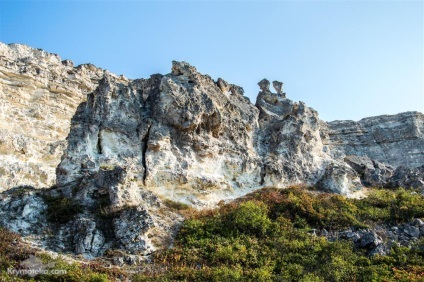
[
  {"x": 397, "y": 140},
  {"x": 178, "y": 135},
  {"x": 181, "y": 135},
  {"x": 386, "y": 151},
  {"x": 38, "y": 96},
  {"x": 289, "y": 140},
  {"x": 188, "y": 138}
]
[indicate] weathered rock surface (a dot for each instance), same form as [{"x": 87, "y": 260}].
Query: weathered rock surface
[
  {"x": 38, "y": 96},
  {"x": 407, "y": 177},
  {"x": 178, "y": 135},
  {"x": 397, "y": 140},
  {"x": 131, "y": 144},
  {"x": 340, "y": 179},
  {"x": 288, "y": 141},
  {"x": 99, "y": 213},
  {"x": 182, "y": 135},
  {"x": 377, "y": 174},
  {"x": 373, "y": 173},
  {"x": 380, "y": 239}
]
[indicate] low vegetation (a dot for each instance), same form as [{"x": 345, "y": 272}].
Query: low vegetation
[
  {"x": 175, "y": 205},
  {"x": 266, "y": 236}
]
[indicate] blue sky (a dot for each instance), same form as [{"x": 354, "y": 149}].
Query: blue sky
[{"x": 346, "y": 59}]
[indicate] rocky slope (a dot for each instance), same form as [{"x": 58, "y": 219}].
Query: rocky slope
[{"x": 133, "y": 145}]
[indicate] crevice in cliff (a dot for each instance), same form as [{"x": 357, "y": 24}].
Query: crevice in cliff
[
  {"x": 99, "y": 143},
  {"x": 263, "y": 173},
  {"x": 145, "y": 140}
]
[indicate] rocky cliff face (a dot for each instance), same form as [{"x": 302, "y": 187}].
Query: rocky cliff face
[
  {"x": 38, "y": 96},
  {"x": 394, "y": 139},
  {"x": 386, "y": 151},
  {"x": 134, "y": 145},
  {"x": 178, "y": 135}
]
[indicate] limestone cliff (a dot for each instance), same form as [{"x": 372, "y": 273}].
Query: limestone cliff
[
  {"x": 38, "y": 96},
  {"x": 133, "y": 145},
  {"x": 394, "y": 139},
  {"x": 177, "y": 135}
]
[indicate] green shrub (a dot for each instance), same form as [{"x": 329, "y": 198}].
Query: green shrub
[
  {"x": 310, "y": 277},
  {"x": 98, "y": 277},
  {"x": 261, "y": 274},
  {"x": 265, "y": 237},
  {"x": 391, "y": 207},
  {"x": 249, "y": 218},
  {"x": 225, "y": 273}
]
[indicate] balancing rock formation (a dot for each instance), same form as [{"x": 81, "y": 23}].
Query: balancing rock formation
[{"x": 114, "y": 150}]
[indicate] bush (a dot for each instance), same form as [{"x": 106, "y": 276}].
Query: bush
[
  {"x": 225, "y": 273},
  {"x": 13, "y": 251},
  {"x": 392, "y": 207},
  {"x": 250, "y": 218}
]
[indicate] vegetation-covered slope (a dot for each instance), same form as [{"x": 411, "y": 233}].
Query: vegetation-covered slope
[
  {"x": 270, "y": 235},
  {"x": 267, "y": 237}
]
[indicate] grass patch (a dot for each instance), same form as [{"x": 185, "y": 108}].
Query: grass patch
[{"x": 175, "y": 205}]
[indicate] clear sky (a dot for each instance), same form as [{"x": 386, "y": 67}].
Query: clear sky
[{"x": 346, "y": 59}]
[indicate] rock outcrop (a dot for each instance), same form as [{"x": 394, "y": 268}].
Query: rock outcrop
[
  {"x": 39, "y": 94},
  {"x": 177, "y": 135},
  {"x": 397, "y": 140},
  {"x": 376, "y": 174},
  {"x": 99, "y": 213},
  {"x": 289, "y": 141},
  {"x": 133, "y": 145},
  {"x": 380, "y": 239}
]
